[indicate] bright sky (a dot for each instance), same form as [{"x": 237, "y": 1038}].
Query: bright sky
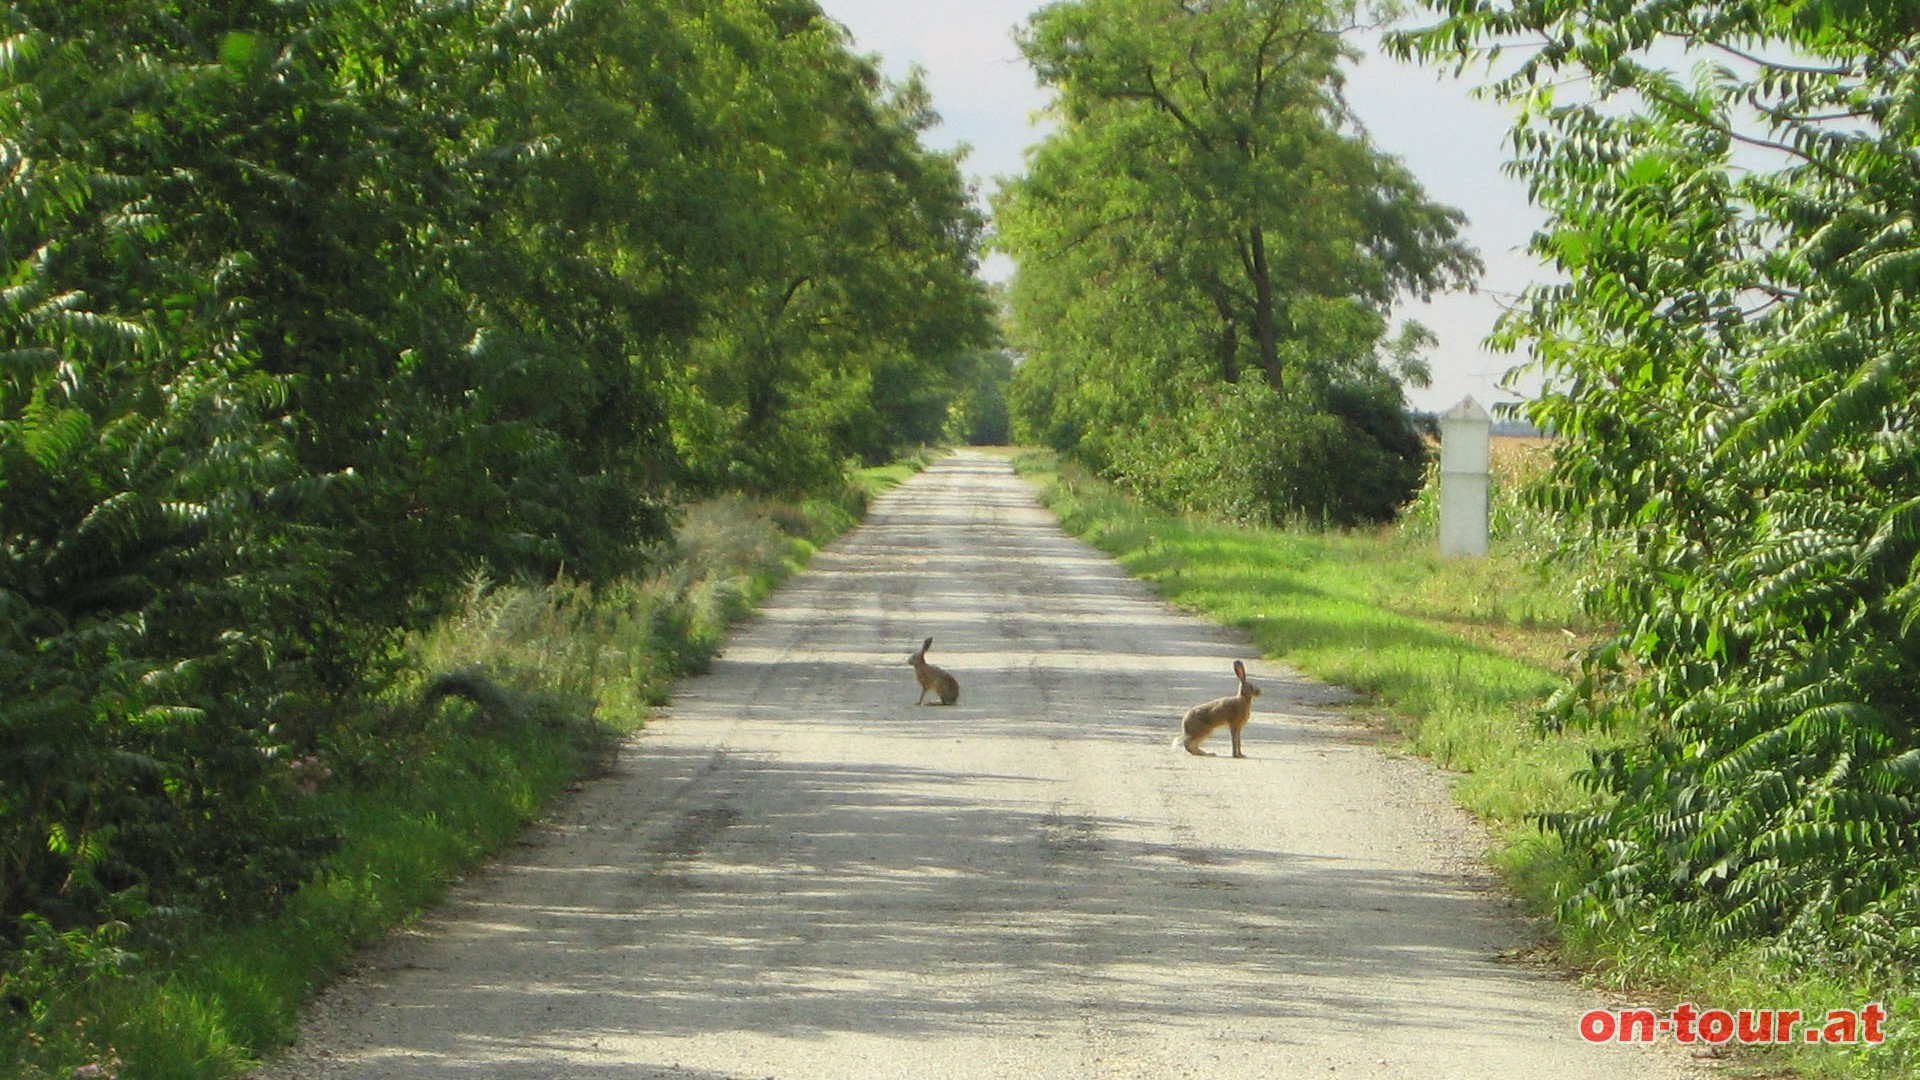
[{"x": 986, "y": 97}]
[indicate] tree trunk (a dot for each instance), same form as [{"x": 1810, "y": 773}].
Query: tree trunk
[
  {"x": 1229, "y": 341},
  {"x": 1264, "y": 322}
]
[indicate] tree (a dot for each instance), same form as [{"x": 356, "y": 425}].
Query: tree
[
  {"x": 846, "y": 298},
  {"x": 1207, "y": 208},
  {"x": 308, "y": 311},
  {"x": 1731, "y": 358},
  {"x": 980, "y": 417},
  {"x": 150, "y": 546}
]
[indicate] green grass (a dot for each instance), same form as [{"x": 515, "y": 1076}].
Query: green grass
[
  {"x": 421, "y": 795},
  {"x": 1454, "y": 658},
  {"x": 1455, "y": 654}
]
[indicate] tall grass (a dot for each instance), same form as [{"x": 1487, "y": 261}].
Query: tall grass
[{"x": 509, "y": 701}]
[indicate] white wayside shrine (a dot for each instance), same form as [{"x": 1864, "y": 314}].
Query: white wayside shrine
[{"x": 1465, "y": 431}]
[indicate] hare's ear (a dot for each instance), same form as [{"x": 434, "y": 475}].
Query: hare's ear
[
  {"x": 927, "y": 644},
  {"x": 1240, "y": 670}
]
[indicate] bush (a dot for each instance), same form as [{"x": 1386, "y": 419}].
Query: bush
[
  {"x": 1251, "y": 455},
  {"x": 500, "y": 705}
]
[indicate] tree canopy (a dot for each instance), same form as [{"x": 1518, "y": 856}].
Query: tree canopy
[
  {"x": 1209, "y": 248},
  {"x": 310, "y": 310}
]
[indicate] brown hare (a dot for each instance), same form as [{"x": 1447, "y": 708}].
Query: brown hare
[
  {"x": 944, "y": 686},
  {"x": 1231, "y": 713}
]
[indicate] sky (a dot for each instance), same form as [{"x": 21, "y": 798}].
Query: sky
[{"x": 988, "y": 100}]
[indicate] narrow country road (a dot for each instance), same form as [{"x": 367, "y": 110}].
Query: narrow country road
[{"x": 799, "y": 874}]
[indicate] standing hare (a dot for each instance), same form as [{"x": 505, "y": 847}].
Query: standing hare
[
  {"x": 1231, "y": 713},
  {"x": 945, "y": 686}
]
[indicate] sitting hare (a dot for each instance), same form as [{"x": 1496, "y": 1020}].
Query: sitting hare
[
  {"x": 945, "y": 686},
  {"x": 1231, "y": 713}
]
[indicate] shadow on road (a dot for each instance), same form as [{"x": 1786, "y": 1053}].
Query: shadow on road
[
  {"x": 802, "y": 855},
  {"x": 892, "y": 901}
]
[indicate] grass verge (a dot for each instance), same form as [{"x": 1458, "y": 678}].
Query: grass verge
[
  {"x": 1454, "y": 657},
  {"x": 514, "y": 698}
]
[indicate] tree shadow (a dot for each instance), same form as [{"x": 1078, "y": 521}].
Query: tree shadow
[
  {"x": 722, "y": 887},
  {"x": 818, "y": 898}
]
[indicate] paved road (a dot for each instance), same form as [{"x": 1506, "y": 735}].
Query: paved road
[{"x": 800, "y": 874}]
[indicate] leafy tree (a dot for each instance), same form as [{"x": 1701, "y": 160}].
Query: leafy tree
[
  {"x": 1731, "y": 358},
  {"x": 980, "y": 416},
  {"x": 847, "y": 299},
  {"x": 310, "y": 310},
  {"x": 150, "y": 548},
  {"x": 1208, "y": 209}
]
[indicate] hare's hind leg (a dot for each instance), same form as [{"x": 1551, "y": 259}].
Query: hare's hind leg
[{"x": 1192, "y": 736}]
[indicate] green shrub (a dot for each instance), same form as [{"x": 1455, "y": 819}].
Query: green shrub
[
  {"x": 1248, "y": 454},
  {"x": 512, "y": 696}
]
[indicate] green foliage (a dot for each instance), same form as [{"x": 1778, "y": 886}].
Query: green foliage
[
  {"x": 151, "y": 551},
  {"x": 1207, "y": 212},
  {"x": 516, "y": 694},
  {"x": 1732, "y": 361},
  {"x": 314, "y": 314},
  {"x": 1249, "y": 455},
  {"x": 979, "y": 416},
  {"x": 311, "y": 314},
  {"x": 1457, "y": 654},
  {"x": 845, "y": 302},
  {"x": 619, "y": 647},
  {"x": 1456, "y": 651}
]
